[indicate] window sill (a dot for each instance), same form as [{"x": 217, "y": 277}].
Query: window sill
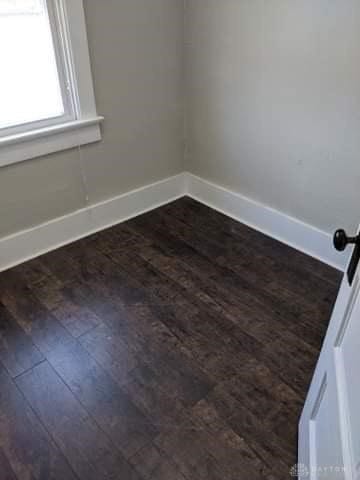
[{"x": 24, "y": 146}]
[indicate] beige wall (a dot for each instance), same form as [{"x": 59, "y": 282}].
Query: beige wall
[
  {"x": 136, "y": 53},
  {"x": 273, "y": 104}
]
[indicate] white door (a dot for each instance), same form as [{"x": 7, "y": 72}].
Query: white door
[{"x": 329, "y": 430}]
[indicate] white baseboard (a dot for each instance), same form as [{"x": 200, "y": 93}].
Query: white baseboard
[
  {"x": 282, "y": 227},
  {"x": 36, "y": 241}
]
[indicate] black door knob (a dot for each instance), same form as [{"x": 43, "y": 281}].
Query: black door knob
[{"x": 341, "y": 240}]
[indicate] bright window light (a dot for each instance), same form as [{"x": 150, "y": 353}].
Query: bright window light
[
  {"x": 47, "y": 101},
  {"x": 31, "y": 85}
]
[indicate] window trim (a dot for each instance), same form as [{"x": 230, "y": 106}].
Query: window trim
[{"x": 80, "y": 124}]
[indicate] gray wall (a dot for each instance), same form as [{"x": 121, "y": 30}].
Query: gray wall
[
  {"x": 136, "y": 52},
  {"x": 273, "y": 104},
  {"x": 273, "y": 108}
]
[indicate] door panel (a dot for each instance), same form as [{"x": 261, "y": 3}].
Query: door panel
[
  {"x": 329, "y": 429},
  {"x": 348, "y": 362},
  {"x": 326, "y": 455}
]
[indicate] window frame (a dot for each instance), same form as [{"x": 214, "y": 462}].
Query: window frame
[{"x": 80, "y": 123}]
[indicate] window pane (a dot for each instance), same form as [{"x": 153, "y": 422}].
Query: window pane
[
  {"x": 9, "y": 7},
  {"x": 29, "y": 80}
]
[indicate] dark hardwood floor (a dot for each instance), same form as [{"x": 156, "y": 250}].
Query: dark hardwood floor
[{"x": 176, "y": 346}]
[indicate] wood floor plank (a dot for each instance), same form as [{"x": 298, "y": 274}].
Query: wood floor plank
[
  {"x": 140, "y": 277},
  {"x": 294, "y": 364},
  {"x": 108, "y": 348},
  {"x": 90, "y": 453},
  {"x": 211, "y": 221},
  {"x": 75, "y": 319},
  {"x": 208, "y": 341},
  {"x": 218, "y": 291},
  {"x": 34, "y": 318},
  {"x": 253, "y": 299},
  {"x": 49, "y": 291},
  {"x": 102, "y": 397},
  {"x": 165, "y": 388},
  {"x": 7, "y": 473},
  {"x": 151, "y": 463},
  {"x": 131, "y": 331},
  {"x": 249, "y": 264},
  {"x": 267, "y": 401},
  {"x": 26, "y": 444},
  {"x": 213, "y": 444},
  {"x": 17, "y": 351}
]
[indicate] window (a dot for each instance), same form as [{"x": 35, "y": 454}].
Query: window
[
  {"x": 34, "y": 82},
  {"x": 46, "y": 94}
]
